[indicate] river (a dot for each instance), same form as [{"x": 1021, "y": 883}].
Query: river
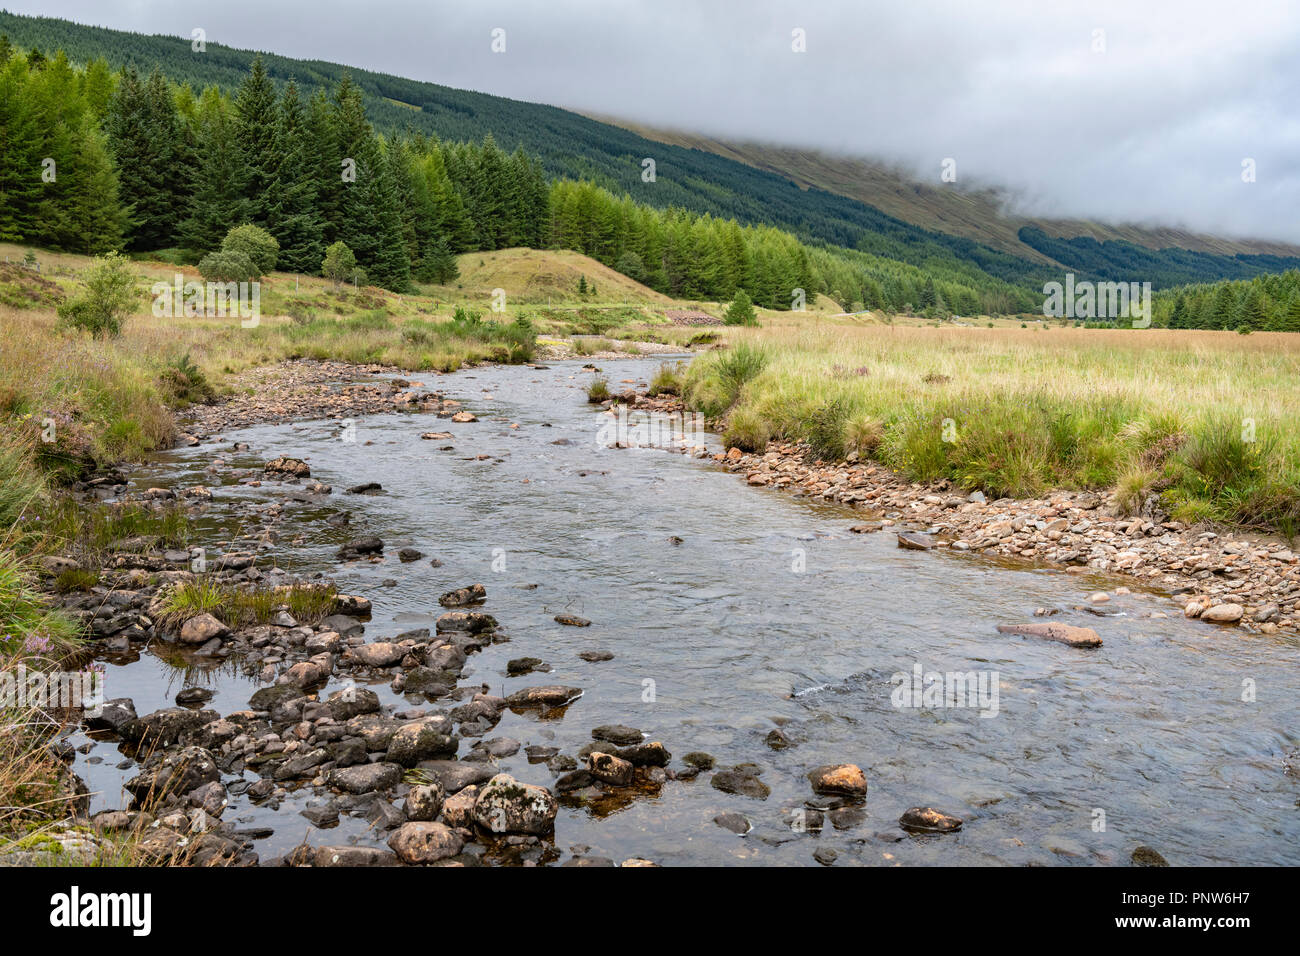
[{"x": 767, "y": 614}]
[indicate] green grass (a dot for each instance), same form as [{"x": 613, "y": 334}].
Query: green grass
[
  {"x": 598, "y": 391},
  {"x": 241, "y": 607},
  {"x": 1205, "y": 421}
]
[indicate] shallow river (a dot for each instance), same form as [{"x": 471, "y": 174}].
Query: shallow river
[{"x": 768, "y": 613}]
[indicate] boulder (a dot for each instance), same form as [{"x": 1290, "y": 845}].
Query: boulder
[
  {"x": 422, "y": 841},
  {"x": 202, "y": 628},
  {"x": 842, "y": 778},
  {"x": 1062, "y": 633},
  {"x": 928, "y": 820},
  {"x": 504, "y": 805}
]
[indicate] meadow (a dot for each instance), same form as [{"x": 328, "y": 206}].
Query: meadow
[{"x": 1204, "y": 419}]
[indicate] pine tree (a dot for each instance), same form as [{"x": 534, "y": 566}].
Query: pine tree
[
  {"x": 20, "y": 155},
  {"x": 219, "y": 201},
  {"x": 143, "y": 131},
  {"x": 255, "y": 127},
  {"x": 291, "y": 211}
]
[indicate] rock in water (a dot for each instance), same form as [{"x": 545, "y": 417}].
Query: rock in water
[
  {"x": 202, "y": 628},
  {"x": 1223, "y": 613},
  {"x": 288, "y": 466},
  {"x": 1145, "y": 856},
  {"x": 841, "y": 778},
  {"x": 928, "y": 820},
  {"x": 425, "y": 842},
  {"x": 1064, "y": 633},
  {"x": 915, "y": 541},
  {"x": 504, "y": 805}
]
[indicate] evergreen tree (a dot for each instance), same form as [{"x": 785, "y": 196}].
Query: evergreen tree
[
  {"x": 219, "y": 201},
  {"x": 143, "y": 131},
  {"x": 291, "y": 209},
  {"x": 256, "y": 123},
  {"x": 20, "y": 154}
]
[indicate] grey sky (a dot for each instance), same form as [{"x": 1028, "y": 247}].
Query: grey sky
[{"x": 1152, "y": 129}]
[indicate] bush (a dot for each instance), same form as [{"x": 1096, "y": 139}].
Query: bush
[
  {"x": 108, "y": 296},
  {"x": 259, "y": 245},
  {"x": 339, "y": 264},
  {"x": 228, "y": 266},
  {"x": 741, "y": 311}
]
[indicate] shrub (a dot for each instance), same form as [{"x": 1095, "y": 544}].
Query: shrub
[
  {"x": 339, "y": 264},
  {"x": 260, "y": 246},
  {"x": 107, "y": 296},
  {"x": 741, "y": 311},
  {"x": 228, "y": 266},
  {"x": 863, "y": 435},
  {"x": 185, "y": 382}
]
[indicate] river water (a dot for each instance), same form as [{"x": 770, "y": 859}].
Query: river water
[{"x": 768, "y": 613}]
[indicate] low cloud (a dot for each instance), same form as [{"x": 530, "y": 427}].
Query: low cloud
[{"x": 1116, "y": 111}]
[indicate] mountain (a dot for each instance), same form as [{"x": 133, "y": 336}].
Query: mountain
[
  {"x": 575, "y": 146},
  {"x": 980, "y": 214}
]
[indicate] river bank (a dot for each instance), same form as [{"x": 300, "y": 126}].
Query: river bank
[
  {"x": 1217, "y": 574},
  {"x": 333, "y": 736}
]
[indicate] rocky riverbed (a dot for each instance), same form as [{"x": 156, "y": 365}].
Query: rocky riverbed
[
  {"x": 1216, "y": 575},
  {"x": 444, "y": 711}
]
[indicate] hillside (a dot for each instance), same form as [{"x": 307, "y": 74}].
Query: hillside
[
  {"x": 933, "y": 231},
  {"x": 977, "y": 214},
  {"x": 546, "y": 275}
]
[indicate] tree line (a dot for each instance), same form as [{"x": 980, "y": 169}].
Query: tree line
[
  {"x": 1268, "y": 303},
  {"x": 96, "y": 161}
]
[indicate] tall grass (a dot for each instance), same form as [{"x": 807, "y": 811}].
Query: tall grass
[{"x": 1205, "y": 420}]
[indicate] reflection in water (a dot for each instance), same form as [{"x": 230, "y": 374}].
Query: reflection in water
[{"x": 730, "y": 611}]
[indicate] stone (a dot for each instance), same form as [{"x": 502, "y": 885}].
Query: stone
[
  {"x": 1062, "y": 633},
  {"x": 649, "y": 754},
  {"x": 735, "y": 822},
  {"x": 462, "y": 597},
  {"x": 175, "y": 774},
  {"x": 424, "y": 802},
  {"x": 744, "y": 784},
  {"x": 928, "y": 820},
  {"x": 619, "y": 734},
  {"x": 915, "y": 541},
  {"x": 365, "y": 778},
  {"x": 421, "y": 842},
  {"x": 429, "y": 739},
  {"x": 572, "y": 620},
  {"x": 845, "y": 779},
  {"x": 202, "y": 628},
  {"x": 294, "y": 467},
  {"x": 351, "y": 856},
  {"x": 548, "y": 695},
  {"x": 610, "y": 769},
  {"x": 1223, "y": 613},
  {"x": 378, "y": 654},
  {"x": 1145, "y": 856},
  {"x": 504, "y": 805},
  {"x": 352, "y": 701},
  {"x": 164, "y": 728}
]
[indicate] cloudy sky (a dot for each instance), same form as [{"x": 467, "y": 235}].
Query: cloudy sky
[{"x": 1135, "y": 111}]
